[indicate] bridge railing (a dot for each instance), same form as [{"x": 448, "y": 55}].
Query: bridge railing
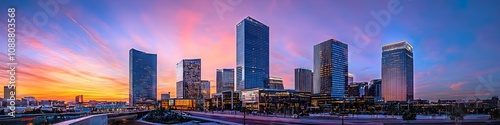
[{"x": 99, "y": 119}]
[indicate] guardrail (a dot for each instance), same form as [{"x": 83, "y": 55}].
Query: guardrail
[{"x": 99, "y": 119}]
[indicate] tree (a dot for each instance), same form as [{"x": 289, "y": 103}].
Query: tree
[
  {"x": 495, "y": 114},
  {"x": 457, "y": 113},
  {"x": 410, "y": 115}
]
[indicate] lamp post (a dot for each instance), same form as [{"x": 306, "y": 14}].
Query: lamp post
[
  {"x": 343, "y": 110},
  {"x": 244, "y": 115}
]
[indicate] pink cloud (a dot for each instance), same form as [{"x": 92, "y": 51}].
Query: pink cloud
[{"x": 457, "y": 85}]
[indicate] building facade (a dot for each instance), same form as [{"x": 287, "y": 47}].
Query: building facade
[
  {"x": 350, "y": 78},
  {"x": 375, "y": 88},
  {"x": 330, "y": 68},
  {"x": 303, "y": 80},
  {"x": 79, "y": 99},
  {"x": 224, "y": 80},
  {"x": 397, "y": 71},
  {"x": 205, "y": 89},
  {"x": 269, "y": 100},
  {"x": 7, "y": 91},
  {"x": 142, "y": 77},
  {"x": 276, "y": 83},
  {"x": 189, "y": 79},
  {"x": 252, "y": 54},
  {"x": 165, "y": 96}
]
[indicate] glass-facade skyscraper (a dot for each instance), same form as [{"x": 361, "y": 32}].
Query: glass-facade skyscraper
[
  {"x": 330, "y": 68},
  {"x": 252, "y": 54},
  {"x": 224, "y": 80},
  {"x": 397, "y": 71},
  {"x": 303, "y": 80},
  {"x": 142, "y": 77},
  {"x": 188, "y": 78}
]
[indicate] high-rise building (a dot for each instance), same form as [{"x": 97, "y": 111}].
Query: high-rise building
[
  {"x": 205, "y": 89},
  {"x": 276, "y": 83},
  {"x": 7, "y": 91},
  {"x": 252, "y": 54},
  {"x": 165, "y": 96},
  {"x": 224, "y": 80},
  {"x": 350, "y": 78},
  {"x": 330, "y": 68},
  {"x": 189, "y": 79},
  {"x": 303, "y": 80},
  {"x": 142, "y": 77},
  {"x": 397, "y": 71},
  {"x": 375, "y": 88},
  {"x": 79, "y": 99}
]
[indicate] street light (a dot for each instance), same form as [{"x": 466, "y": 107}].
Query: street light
[
  {"x": 244, "y": 115},
  {"x": 343, "y": 110}
]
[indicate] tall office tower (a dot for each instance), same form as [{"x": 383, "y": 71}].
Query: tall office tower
[
  {"x": 330, "y": 68},
  {"x": 79, "y": 99},
  {"x": 252, "y": 54},
  {"x": 6, "y": 93},
  {"x": 142, "y": 77},
  {"x": 189, "y": 79},
  {"x": 375, "y": 88},
  {"x": 224, "y": 80},
  {"x": 205, "y": 89},
  {"x": 397, "y": 71},
  {"x": 303, "y": 80},
  {"x": 350, "y": 78},
  {"x": 276, "y": 83}
]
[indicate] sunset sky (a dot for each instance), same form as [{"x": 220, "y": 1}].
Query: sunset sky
[{"x": 82, "y": 49}]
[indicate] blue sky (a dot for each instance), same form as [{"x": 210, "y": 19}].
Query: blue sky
[{"x": 83, "y": 47}]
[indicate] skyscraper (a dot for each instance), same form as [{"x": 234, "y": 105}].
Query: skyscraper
[
  {"x": 252, "y": 54},
  {"x": 330, "y": 68},
  {"x": 276, "y": 83},
  {"x": 79, "y": 99},
  {"x": 205, "y": 89},
  {"x": 303, "y": 80},
  {"x": 6, "y": 92},
  {"x": 189, "y": 79},
  {"x": 224, "y": 80},
  {"x": 397, "y": 71},
  {"x": 142, "y": 77}
]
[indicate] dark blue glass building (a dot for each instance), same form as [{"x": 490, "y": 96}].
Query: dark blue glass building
[
  {"x": 330, "y": 68},
  {"x": 397, "y": 71},
  {"x": 252, "y": 54},
  {"x": 142, "y": 77}
]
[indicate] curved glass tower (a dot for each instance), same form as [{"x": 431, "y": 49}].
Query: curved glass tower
[{"x": 142, "y": 77}]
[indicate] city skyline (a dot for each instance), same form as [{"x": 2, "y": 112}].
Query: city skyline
[{"x": 82, "y": 50}]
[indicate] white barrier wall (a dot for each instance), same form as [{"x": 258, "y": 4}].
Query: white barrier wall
[{"x": 100, "y": 119}]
